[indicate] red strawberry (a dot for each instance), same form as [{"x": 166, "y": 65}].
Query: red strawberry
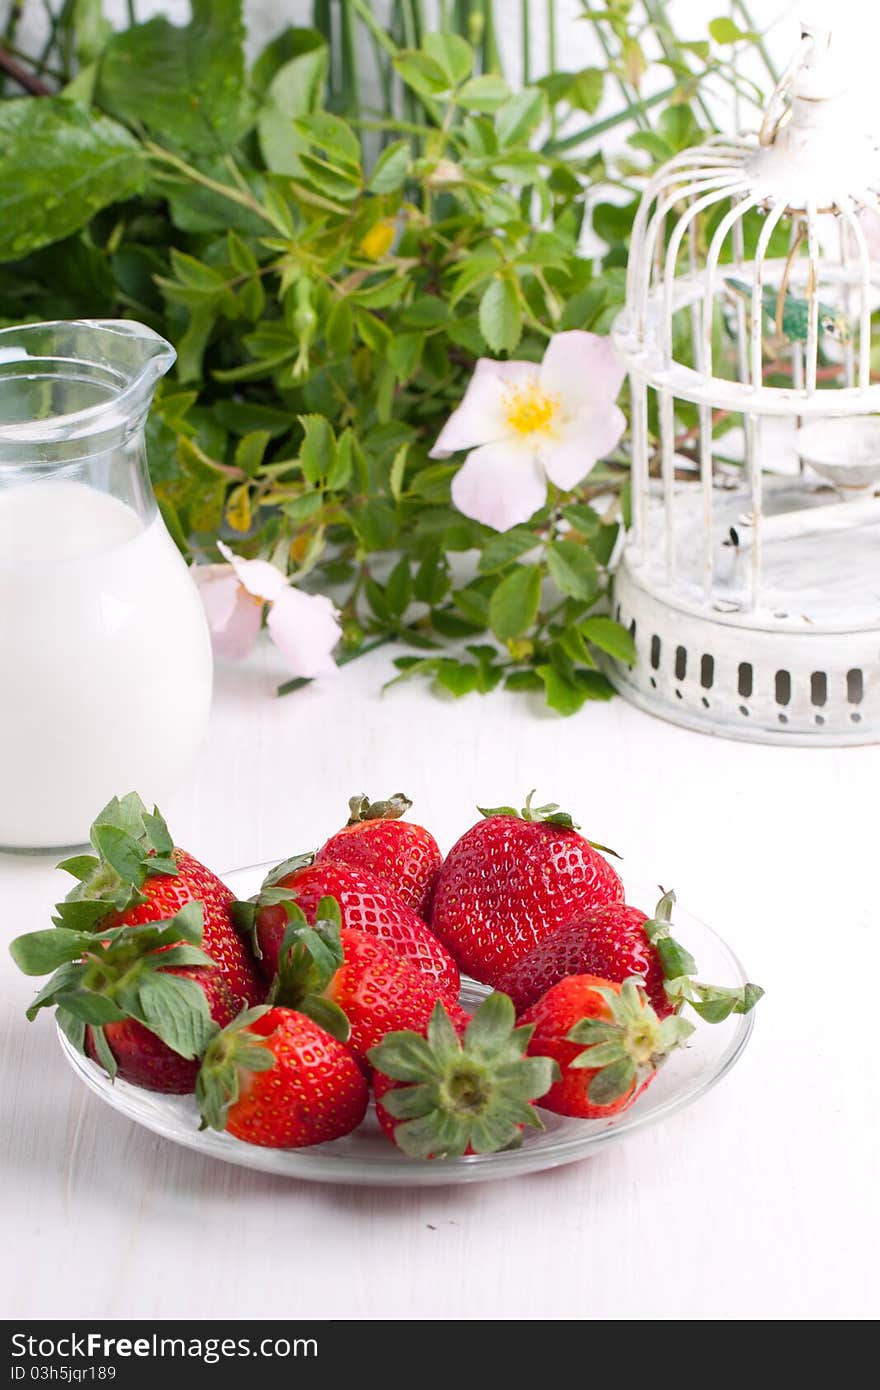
[
  {"x": 608, "y": 941},
  {"x": 618, "y": 943},
  {"x": 143, "y": 1001},
  {"x": 607, "y": 1041},
  {"x": 510, "y": 881},
  {"x": 366, "y": 905},
  {"x": 459, "y": 1086},
  {"x": 274, "y": 1078},
  {"x": 404, "y": 856},
  {"x": 139, "y": 877},
  {"x": 352, "y": 984}
]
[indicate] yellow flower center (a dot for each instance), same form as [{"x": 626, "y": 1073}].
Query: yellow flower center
[
  {"x": 530, "y": 409},
  {"x": 377, "y": 241}
]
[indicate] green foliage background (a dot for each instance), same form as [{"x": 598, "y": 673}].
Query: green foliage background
[{"x": 329, "y": 274}]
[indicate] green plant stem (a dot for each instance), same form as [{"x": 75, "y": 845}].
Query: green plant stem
[
  {"x": 300, "y": 681},
  {"x": 590, "y": 132},
  {"x": 551, "y": 59},
  {"x": 526, "y": 41},
  {"x": 235, "y": 195},
  {"x": 637, "y": 106},
  {"x": 350, "y": 66},
  {"x": 491, "y": 51},
  {"x": 760, "y": 43},
  {"x": 669, "y": 44},
  {"x": 368, "y": 19},
  {"x": 13, "y": 69},
  {"x": 132, "y": 13}
]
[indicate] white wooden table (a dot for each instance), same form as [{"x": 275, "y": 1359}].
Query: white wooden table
[{"x": 759, "y": 1202}]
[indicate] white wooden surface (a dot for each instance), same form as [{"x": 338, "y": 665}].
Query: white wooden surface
[{"x": 759, "y": 1202}]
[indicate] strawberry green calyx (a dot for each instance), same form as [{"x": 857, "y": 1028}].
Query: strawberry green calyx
[
  {"x": 308, "y": 959},
  {"x": 629, "y": 1046},
  {"x": 470, "y": 1094},
  {"x": 232, "y": 1049},
  {"x": 285, "y": 868},
  {"x": 123, "y": 975},
  {"x": 362, "y": 809},
  {"x": 534, "y": 815},
  {"x": 130, "y": 845},
  {"x": 713, "y": 1003},
  {"x": 244, "y": 912},
  {"x": 544, "y": 815}
]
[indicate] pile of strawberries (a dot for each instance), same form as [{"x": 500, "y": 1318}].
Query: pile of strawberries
[{"x": 342, "y": 974}]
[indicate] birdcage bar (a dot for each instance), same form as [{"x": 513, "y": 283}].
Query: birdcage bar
[
  {"x": 670, "y": 283},
  {"x": 707, "y": 482},
  {"x": 756, "y": 354},
  {"x": 855, "y": 226},
  {"x": 742, "y": 351},
  {"x": 667, "y": 468},
  {"x": 712, "y": 180},
  {"x": 639, "y": 477},
  {"x": 735, "y": 215},
  {"x": 812, "y": 350},
  {"x": 753, "y": 430},
  {"x": 849, "y": 351}
]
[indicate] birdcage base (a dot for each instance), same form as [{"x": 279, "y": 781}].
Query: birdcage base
[{"x": 746, "y": 677}]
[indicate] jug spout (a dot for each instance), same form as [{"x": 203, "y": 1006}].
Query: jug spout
[{"x": 70, "y": 389}]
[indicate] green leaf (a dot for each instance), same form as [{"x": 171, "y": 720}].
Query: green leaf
[
  {"x": 294, "y": 91},
  {"x": 506, "y": 547},
  {"x": 332, "y": 135},
  {"x": 421, "y": 72},
  {"x": 95, "y": 1009},
  {"x": 317, "y": 455},
  {"x": 501, "y": 314},
  {"x": 567, "y": 694},
  {"x": 451, "y": 53},
  {"x": 586, "y": 89},
  {"x": 176, "y": 1010},
  {"x": 91, "y": 29},
  {"x": 514, "y": 605},
  {"x": 573, "y": 570},
  {"x": 391, "y": 168},
  {"x": 40, "y": 952},
  {"x": 610, "y": 637},
  {"x": 520, "y": 116},
  {"x": 250, "y": 450},
  {"x": 186, "y": 85},
  {"x": 457, "y": 677},
  {"x": 725, "y": 30},
  {"x": 612, "y": 1082},
  {"x": 484, "y": 93},
  {"x": 339, "y": 329},
  {"x": 398, "y": 588},
  {"x": 376, "y": 523},
  {"x": 327, "y": 1015},
  {"x": 59, "y": 165}
]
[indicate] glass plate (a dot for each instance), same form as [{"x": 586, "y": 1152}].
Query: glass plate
[{"x": 366, "y": 1157}]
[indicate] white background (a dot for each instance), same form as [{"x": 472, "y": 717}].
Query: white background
[{"x": 760, "y": 1202}]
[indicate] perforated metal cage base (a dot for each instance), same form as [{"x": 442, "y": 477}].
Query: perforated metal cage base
[{"x": 713, "y": 672}]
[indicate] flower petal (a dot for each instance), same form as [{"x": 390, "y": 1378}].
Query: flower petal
[
  {"x": 257, "y": 576},
  {"x": 499, "y": 485},
  {"x": 218, "y": 586},
  {"x": 305, "y": 630},
  {"x": 481, "y": 417},
  {"x": 576, "y": 450},
  {"x": 234, "y": 616},
  {"x": 580, "y": 368}
]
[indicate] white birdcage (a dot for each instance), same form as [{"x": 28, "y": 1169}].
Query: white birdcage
[{"x": 751, "y": 575}]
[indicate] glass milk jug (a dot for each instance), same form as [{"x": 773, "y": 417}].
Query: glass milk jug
[{"x": 105, "y": 657}]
